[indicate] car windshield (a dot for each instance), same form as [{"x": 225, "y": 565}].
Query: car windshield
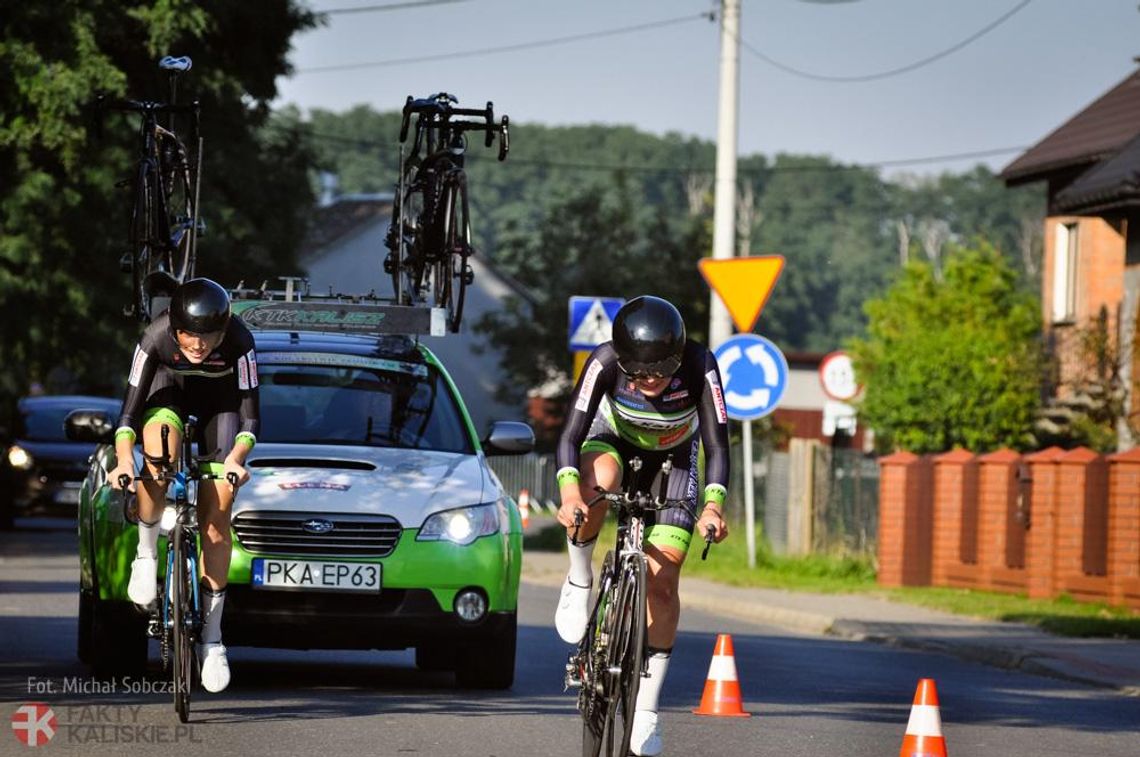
[
  {"x": 383, "y": 403},
  {"x": 44, "y": 422}
]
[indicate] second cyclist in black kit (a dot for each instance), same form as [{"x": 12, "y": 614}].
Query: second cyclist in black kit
[{"x": 192, "y": 360}]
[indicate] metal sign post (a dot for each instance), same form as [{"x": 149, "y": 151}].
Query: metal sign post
[{"x": 755, "y": 375}]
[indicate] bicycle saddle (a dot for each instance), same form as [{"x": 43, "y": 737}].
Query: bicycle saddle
[{"x": 170, "y": 63}]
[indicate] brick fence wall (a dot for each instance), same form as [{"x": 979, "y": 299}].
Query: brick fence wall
[{"x": 1049, "y": 523}]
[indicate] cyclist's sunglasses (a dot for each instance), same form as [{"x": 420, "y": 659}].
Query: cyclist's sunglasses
[{"x": 639, "y": 373}]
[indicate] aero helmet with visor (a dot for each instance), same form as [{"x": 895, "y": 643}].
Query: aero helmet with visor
[
  {"x": 649, "y": 337},
  {"x": 200, "y": 306}
]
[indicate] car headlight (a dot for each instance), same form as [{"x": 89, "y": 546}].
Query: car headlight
[
  {"x": 462, "y": 525},
  {"x": 19, "y": 458}
]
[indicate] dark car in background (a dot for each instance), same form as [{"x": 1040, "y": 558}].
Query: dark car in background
[{"x": 41, "y": 469}]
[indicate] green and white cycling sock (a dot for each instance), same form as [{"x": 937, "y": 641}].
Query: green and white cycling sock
[
  {"x": 148, "y": 539},
  {"x": 212, "y": 602},
  {"x": 650, "y": 691},
  {"x": 581, "y": 555}
]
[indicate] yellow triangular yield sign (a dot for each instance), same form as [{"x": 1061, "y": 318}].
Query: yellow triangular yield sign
[{"x": 743, "y": 284}]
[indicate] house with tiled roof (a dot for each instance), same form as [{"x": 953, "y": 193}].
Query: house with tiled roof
[
  {"x": 344, "y": 253},
  {"x": 1091, "y": 266}
]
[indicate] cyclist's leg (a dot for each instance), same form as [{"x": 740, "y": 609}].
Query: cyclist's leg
[
  {"x": 666, "y": 545},
  {"x": 215, "y": 500},
  {"x": 161, "y": 411}
]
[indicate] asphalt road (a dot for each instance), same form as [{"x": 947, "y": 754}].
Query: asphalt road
[{"x": 809, "y": 695}]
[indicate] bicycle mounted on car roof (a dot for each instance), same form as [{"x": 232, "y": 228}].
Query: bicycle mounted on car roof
[
  {"x": 610, "y": 660},
  {"x": 164, "y": 223},
  {"x": 430, "y": 233}
]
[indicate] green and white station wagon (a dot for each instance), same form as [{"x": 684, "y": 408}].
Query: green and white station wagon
[{"x": 372, "y": 519}]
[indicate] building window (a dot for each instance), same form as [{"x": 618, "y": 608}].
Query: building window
[{"x": 1065, "y": 273}]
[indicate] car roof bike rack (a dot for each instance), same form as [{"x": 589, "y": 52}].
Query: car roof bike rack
[{"x": 296, "y": 308}]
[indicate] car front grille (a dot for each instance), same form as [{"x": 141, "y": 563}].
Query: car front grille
[{"x": 268, "y": 532}]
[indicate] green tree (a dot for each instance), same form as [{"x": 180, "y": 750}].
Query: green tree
[
  {"x": 595, "y": 242},
  {"x": 62, "y": 221},
  {"x": 953, "y": 360}
]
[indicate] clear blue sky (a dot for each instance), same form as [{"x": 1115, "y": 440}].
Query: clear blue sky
[{"x": 1006, "y": 89}]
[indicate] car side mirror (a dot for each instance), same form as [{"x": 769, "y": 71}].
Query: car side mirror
[
  {"x": 509, "y": 438},
  {"x": 89, "y": 426}
]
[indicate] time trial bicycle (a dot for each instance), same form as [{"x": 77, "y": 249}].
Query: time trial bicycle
[
  {"x": 164, "y": 221},
  {"x": 429, "y": 239},
  {"x": 176, "y": 620},
  {"x": 610, "y": 660}
]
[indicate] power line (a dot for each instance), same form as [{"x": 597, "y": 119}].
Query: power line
[
  {"x": 894, "y": 71},
  {"x": 387, "y": 7},
  {"x": 505, "y": 48},
  {"x": 787, "y": 168}
]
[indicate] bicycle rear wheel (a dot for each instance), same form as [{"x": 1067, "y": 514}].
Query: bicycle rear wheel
[
  {"x": 181, "y": 217},
  {"x": 594, "y": 703},
  {"x": 451, "y": 271},
  {"x": 140, "y": 240},
  {"x": 182, "y": 607}
]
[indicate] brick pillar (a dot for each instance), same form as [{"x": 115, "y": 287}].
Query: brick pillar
[
  {"x": 1040, "y": 559},
  {"x": 955, "y": 521},
  {"x": 1124, "y": 528},
  {"x": 997, "y": 501},
  {"x": 1082, "y": 490},
  {"x": 904, "y": 520}
]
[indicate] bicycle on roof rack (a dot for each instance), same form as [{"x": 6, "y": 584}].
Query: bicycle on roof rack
[
  {"x": 429, "y": 239},
  {"x": 164, "y": 221},
  {"x": 610, "y": 660}
]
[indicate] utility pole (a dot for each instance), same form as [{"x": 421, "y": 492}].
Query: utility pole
[{"x": 724, "y": 218}]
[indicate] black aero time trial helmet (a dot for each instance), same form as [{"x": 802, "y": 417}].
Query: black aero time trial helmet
[
  {"x": 649, "y": 337},
  {"x": 200, "y": 306}
]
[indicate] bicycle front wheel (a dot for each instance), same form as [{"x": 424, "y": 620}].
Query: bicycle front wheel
[
  {"x": 616, "y": 639},
  {"x": 629, "y": 649},
  {"x": 182, "y": 606}
]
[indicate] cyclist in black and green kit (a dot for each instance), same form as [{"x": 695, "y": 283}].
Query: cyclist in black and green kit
[
  {"x": 192, "y": 360},
  {"x": 652, "y": 394}
]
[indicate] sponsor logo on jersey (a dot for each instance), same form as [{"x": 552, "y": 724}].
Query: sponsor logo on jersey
[
  {"x": 588, "y": 381},
  {"x": 243, "y": 373},
  {"x": 252, "y": 358},
  {"x": 718, "y": 396},
  {"x": 137, "y": 366},
  {"x": 676, "y": 395}
]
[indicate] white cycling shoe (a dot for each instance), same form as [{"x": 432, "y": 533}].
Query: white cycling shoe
[
  {"x": 645, "y": 740},
  {"x": 573, "y": 609},
  {"x": 143, "y": 587},
  {"x": 215, "y": 667}
]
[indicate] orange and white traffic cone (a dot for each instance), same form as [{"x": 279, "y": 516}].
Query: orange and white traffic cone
[
  {"x": 924, "y": 729},
  {"x": 722, "y": 689},
  {"x": 524, "y": 507}
]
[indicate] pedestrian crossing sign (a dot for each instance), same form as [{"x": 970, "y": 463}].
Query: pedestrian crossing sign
[{"x": 592, "y": 320}]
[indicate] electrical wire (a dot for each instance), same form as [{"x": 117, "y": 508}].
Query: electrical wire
[
  {"x": 387, "y": 7},
  {"x": 369, "y": 144},
  {"x": 505, "y": 48},
  {"x": 894, "y": 71}
]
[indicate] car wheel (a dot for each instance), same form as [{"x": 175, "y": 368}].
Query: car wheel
[
  {"x": 490, "y": 665},
  {"x": 118, "y": 639},
  {"x": 435, "y": 657},
  {"x": 83, "y": 635}
]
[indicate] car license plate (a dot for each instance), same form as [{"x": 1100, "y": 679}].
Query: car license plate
[{"x": 314, "y": 575}]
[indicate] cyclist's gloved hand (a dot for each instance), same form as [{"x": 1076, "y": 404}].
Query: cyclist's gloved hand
[
  {"x": 711, "y": 516},
  {"x": 237, "y": 469},
  {"x": 568, "y": 508},
  {"x": 124, "y": 468}
]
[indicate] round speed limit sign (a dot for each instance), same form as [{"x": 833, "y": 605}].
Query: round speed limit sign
[{"x": 837, "y": 375}]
